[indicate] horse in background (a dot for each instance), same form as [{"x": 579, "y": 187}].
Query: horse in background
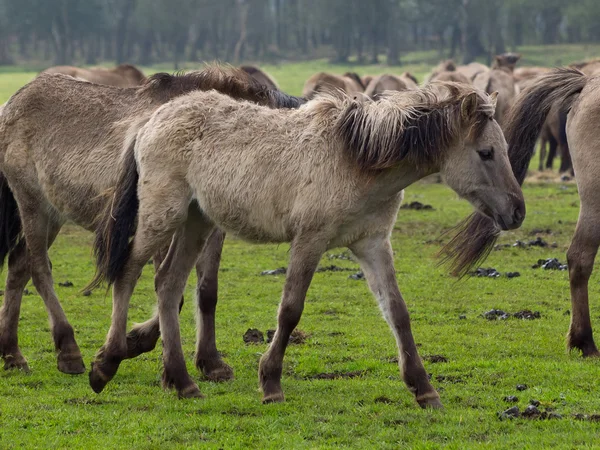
[
  {"x": 261, "y": 76},
  {"x": 323, "y": 82},
  {"x": 124, "y": 75}
]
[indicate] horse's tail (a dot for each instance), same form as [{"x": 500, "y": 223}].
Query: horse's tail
[
  {"x": 557, "y": 89},
  {"x": 117, "y": 224},
  {"x": 10, "y": 221}
]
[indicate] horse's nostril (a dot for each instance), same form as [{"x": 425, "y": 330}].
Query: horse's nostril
[{"x": 518, "y": 214}]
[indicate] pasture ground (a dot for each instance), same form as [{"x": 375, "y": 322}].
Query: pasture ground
[{"x": 485, "y": 360}]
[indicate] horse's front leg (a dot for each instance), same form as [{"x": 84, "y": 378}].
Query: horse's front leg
[
  {"x": 304, "y": 258},
  {"x": 376, "y": 260}
]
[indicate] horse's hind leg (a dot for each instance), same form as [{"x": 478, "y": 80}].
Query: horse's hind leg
[
  {"x": 375, "y": 257},
  {"x": 40, "y": 231},
  {"x": 584, "y": 246},
  {"x": 17, "y": 278},
  {"x": 170, "y": 283},
  {"x": 208, "y": 359},
  {"x": 543, "y": 144},
  {"x": 143, "y": 336},
  {"x": 304, "y": 258}
]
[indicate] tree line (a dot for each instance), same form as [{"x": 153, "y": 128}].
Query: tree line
[{"x": 368, "y": 31}]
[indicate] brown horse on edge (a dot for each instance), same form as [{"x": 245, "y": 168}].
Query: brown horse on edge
[{"x": 54, "y": 119}]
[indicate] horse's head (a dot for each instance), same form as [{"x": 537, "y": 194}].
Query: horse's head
[{"x": 477, "y": 165}]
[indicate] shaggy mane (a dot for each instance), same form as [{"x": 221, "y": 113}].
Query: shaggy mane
[
  {"x": 230, "y": 81},
  {"x": 412, "y": 125}
]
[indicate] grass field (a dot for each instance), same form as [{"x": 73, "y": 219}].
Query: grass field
[{"x": 485, "y": 360}]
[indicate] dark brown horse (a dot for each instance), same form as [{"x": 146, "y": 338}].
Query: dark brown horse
[
  {"x": 64, "y": 138},
  {"x": 261, "y": 76}
]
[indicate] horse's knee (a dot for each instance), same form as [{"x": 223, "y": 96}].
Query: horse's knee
[{"x": 580, "y": 265}]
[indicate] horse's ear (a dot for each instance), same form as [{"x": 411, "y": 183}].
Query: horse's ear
[
  {"x": 494, "y": 98},
  {"x": 468, "y": 107}
]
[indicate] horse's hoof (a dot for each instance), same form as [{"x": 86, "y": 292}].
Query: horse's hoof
[
  {"x": 18, "y": 363},
  {"x": 430, "y": 401},
  {"x": 140, "y": 341},
  {"x": 215, "y": 370},
  {"x": 276, "y": 397},
  {"x": 192, "y": 391},
  {"x": 72, "y": 365},
  {"x": 98, "y": 380}
]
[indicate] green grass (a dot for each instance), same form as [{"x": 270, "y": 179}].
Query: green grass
[{"x": 486, "y": 360}]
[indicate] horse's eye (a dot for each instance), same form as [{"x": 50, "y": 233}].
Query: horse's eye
[{"x": 487, "y": 154}]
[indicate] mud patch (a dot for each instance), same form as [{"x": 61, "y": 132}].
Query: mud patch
[
  {"x": 279, "y": 271},
  {"x": 297, "y": 337},
  {"x": 498, "y": 314},
  {"x": 417, "y": 206},
  {"x": 511, "y": 399},
  {"x": 435, "y": 358},
  {"x": 537, "y": 242},
  {"x": 65, "y": 284},
  {"x": 357, "y": 276},
  {"x": 254, "y": 336},
  {"x": 336, "y": 375},
  {"x": 493, "y": 273},
  {"x": 549, "y": 264},
  {"x": 87, "y": 401},
  {"x": 333, "y": 268}
]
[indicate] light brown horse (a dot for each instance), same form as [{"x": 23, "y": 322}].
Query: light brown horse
[
  {"x": 60, "y": 141},
  {"x": 454, "y": 76},
  {"x": 472, "y": 70},
  {"x": 323, "y": 82},
  {"x": 572, "y": 92},
  {"x": 261, "y": 76},
  {"x": 500, "y": 79},
  {"x": 329, "y": 174},
  {"x": 385, "y": 82},
  {"x": 124, "y": 75}
]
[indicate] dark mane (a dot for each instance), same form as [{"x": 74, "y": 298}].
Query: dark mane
[
  {"x": 230, "y": 81},
  {"x": 380, "y": 135}
]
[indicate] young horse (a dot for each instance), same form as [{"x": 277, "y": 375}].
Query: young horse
[
  {"x": 124, "y": 75},
  {"x": 60, "y": 140},
  {"x": 329, "y": 174},
  {"x": 568, "y": 91}
]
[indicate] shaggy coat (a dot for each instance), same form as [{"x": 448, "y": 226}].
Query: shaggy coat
[{"x": 328, "y": 174}]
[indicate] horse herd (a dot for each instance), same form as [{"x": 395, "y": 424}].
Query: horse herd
[{"x": 162, "y": 167}]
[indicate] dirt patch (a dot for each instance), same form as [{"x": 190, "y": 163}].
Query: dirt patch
[
  {"x": 549, "y": 264},
  {"x": 511, "y": 399},
  {"x": 87, "y": 401},
  {"x": 587, "y": 417},
  {"x": 333, "y": 268},
  {"x": 336, "y": 375},
  {"x": 498, "y": 314},
  {"x": 297, "y": 336},
  {"x": 254, "y": 336},
  {"x": 522, "y": 387},
  {"x": 279, "y": 271},
  {"x": 452, "y": 379},
  {"x": 357, "y": 276},
  {"x": 493, "y": 273},
  {"x": 417, "y": 206},
  {"x": 435, "y": 358},
  {"x": 537, "y": 242},
  {"x": 526, "y": 314},
  {"x": 65, "y": 284}
]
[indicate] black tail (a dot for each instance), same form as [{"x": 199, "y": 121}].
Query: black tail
[
  {"x": 118, "y": 224},
  {"x": 10, "y": 220},
  {"x": 557, "y": 89}
]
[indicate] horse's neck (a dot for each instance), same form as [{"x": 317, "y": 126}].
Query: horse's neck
[{"x": 389, "y": 182}]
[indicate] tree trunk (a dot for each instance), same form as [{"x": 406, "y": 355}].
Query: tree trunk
[
  {"x": 243, "y": 22},
  {"x": 122, "y": 25}
]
